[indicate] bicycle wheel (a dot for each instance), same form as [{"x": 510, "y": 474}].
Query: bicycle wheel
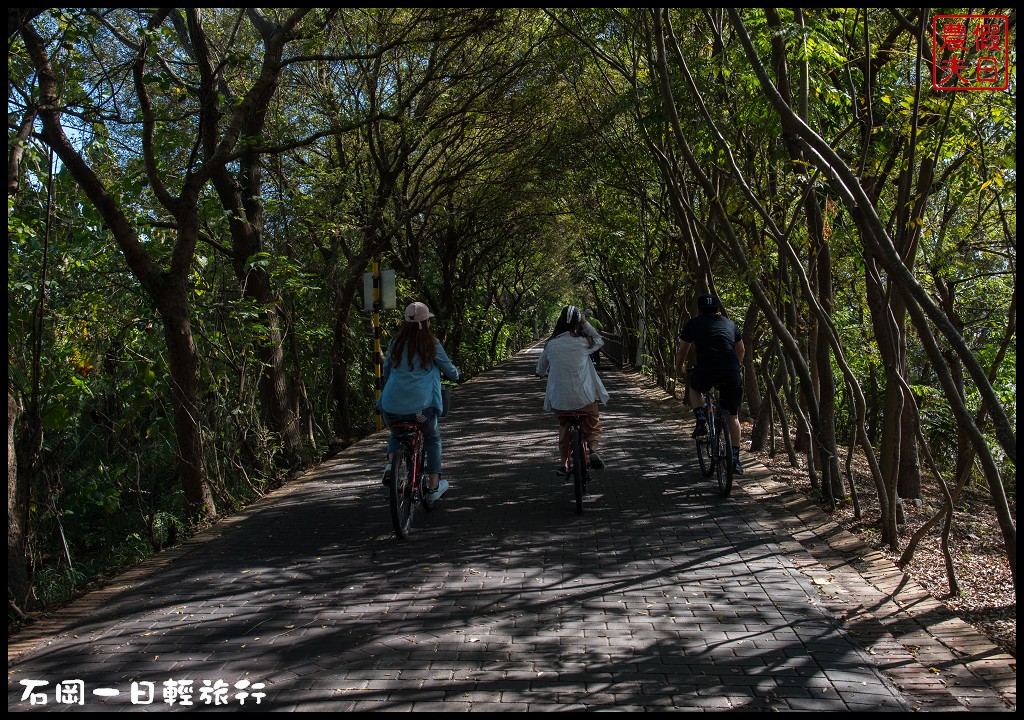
[
  {"x": 723, "y": 460},
  {"x": 705, "y": 446},
  {"x": 403, "y": 502},
  {"x": 707, "y": 463},
  {"x": 421, "y": 481},
  {"x": 579, "y": 468}
]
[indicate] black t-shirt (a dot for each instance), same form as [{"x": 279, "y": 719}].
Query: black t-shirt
[{"x": 714, "y": 338}]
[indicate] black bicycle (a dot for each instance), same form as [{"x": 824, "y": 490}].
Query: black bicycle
[
  {"x": 407, "y": 475},
  {"x": 576, "y": 461},
  {"x": 714, "y": 450}
]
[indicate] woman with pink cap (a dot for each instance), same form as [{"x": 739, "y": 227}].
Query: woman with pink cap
[{"x": 412, "y": 390}]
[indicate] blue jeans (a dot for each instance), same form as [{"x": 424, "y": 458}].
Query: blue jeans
[{"x": 431, "y": 436}]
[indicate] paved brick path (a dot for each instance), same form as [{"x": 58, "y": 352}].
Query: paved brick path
[{"x": 661, "y": 596}]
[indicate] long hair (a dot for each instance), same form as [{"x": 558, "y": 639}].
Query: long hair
[
  {"x": 571, "y": 320},
  {"x": 412, "y": 340}
]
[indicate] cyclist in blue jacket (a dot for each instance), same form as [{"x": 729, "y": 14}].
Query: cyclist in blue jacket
[
  {"x": 720, "y": 350},
  {"x": 412, "y": 390}
]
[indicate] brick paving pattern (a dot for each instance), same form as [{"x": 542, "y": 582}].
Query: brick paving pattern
[{"x": 660, "y": 596}]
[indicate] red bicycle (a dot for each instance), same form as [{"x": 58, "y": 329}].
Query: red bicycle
[
  {"x": 576, "y": 462},
  {"x": 407, "y": 474}
]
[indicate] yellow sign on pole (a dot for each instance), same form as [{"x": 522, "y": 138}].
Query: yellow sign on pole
[{"x": 378, "y": 293}]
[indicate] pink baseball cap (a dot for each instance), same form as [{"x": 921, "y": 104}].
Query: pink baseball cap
[{"x": 417, "y": 312}]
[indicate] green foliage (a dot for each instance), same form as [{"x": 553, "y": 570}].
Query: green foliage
[{"x": 504, "y": 164}]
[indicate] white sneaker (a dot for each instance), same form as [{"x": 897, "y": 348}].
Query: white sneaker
[{"x": 432, "y": 496}]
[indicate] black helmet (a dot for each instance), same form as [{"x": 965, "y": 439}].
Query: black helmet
[{"x": 707, "y": 303}]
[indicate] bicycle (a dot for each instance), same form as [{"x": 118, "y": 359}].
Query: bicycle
[
  {"x": 714, "y": 450},
  {"x": 576, "y": 461},
  {"x": 407, "y": 476}
]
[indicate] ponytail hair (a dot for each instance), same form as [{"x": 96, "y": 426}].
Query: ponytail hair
[
  {"x": 412, "y": 340},
  {"x": 571, "y": 320}
]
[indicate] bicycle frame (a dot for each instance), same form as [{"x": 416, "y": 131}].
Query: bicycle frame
[
  {"x": 714, "y": 451},
  {"x": 406, "y": 488},
  {"x": 411, "y": 436},
  {"x": 576, "y": 460},
  {"x": 711, "y": 416}
]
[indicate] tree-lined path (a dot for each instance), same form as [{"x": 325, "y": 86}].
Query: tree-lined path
[
  {"x": 661, "y": 595},
  {"x": 200, "y": 198}
]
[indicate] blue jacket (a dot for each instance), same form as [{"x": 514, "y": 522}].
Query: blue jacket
[{"x": 407, "y": 392}]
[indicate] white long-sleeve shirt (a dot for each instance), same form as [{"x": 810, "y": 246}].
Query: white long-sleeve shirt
[{"x": 573, "y": 381}]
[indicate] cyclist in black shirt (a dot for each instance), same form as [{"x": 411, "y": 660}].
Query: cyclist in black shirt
[{"x": 720, "y": 349}]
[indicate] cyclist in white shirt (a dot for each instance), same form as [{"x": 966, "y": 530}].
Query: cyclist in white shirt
[{"x": 573, "y": 383}]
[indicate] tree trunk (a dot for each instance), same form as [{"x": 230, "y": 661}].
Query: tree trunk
[
  {"x": 339, "y": 375},
  {"x": 760, "y": 410},
  {"x": 168, "y": 290},
  {"x": 889, "y": 425},
  {"x": 276, "y": 390},
  {"x": 1004, "y": 515},
  {"x": 820, "y": 268},
  {"x": 19, "y": 580},
  {"x": 278, "y": 394},
  {"x": 184, "y": 368},
  {"x": 344, "y": 350},
  {"x": 831, "y": 472}
]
